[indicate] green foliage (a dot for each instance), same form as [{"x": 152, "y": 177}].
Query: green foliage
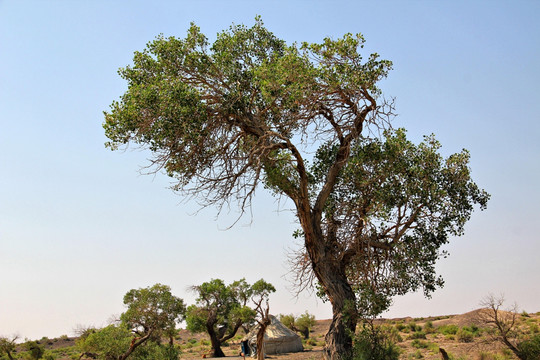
[
  {"x": 68, "y": 352},
  {"x": 399, "y": 176},
  {"x": 429, "y": 328},
  {"x": 151, "y": 312},
  {"x": 261, "y": 289},
  {"x": 448, "y": 329},
  {"x": 8, "y": 345},
  {"x": 109, "y": 343},
  {"x": 311, "y": 342},
  {"x": 465, "y": 335},
  {"x": 534, "y": 328},
  {"x": 113, "y": 341},
  {"x": 420, "y": 344},
  {"x": 302, "y": 324},
  {"x": 391, "y": 333},
  {"x": 417, "y": 335},
  {"x": 152, "y": 309},
  {"x": 287, "y": 320},
  {"x": 221, "y": 309},
  {"x": 373, "y": 344},
  {"x": 228, "y": 116},
  {"x": 155, "y": 351},
  {"x": 530, "y": 349},
  {"x": 48, "y": 355},
  {"x": 225, "y": 305},
  {"x": 34, "y": 349},
  {"x": 305, "y": 322},
  {"x": 204, "y": 342},
  {"x": 468, "y": 333}
]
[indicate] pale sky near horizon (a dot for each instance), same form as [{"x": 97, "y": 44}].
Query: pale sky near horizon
[{"x": 79, "y": 226}]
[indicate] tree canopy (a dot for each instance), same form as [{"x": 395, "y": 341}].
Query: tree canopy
[
  {"x": 301, "y": 324},
  {"x": 220, "y": 310},
  {"x": 307, "y": 122},
  {"x": 152, "y": 312},
  {"x": 8, "y": 346}
]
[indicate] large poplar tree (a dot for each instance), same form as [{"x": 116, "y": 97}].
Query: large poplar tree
[{"x": 308, "y": 122}]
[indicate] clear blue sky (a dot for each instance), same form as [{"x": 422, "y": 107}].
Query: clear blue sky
[{"x": 79, "y": 226}]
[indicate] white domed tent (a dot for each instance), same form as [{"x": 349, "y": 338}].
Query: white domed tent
[{"x": 278, "y": 338}]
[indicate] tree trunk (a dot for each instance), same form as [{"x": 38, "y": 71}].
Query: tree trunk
[
  {"x": 216, "y": 344},
  {"x": 260, "y": 337},
  {"x": 344, "y": 318},
  {"x": 331, "y": 274},
  {"x": 135, "y": 342}
]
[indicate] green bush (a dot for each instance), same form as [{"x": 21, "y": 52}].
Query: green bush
[
  {"x": 448, "y": 329},
  {"x": 464, "y": 335},
  {"x": 204, "y": 342},
  {"x": 417, "y": 335},
  {"x": 35, "y": 349},
  {"x": 419, "y": 344},
  {"x": 428, "y": 327},
  {"x": 530, "y": 349},
  {"x": 49, "y": 356},
  {"x": 392, "y": 333},
  {"x": 372, "y": 344}
]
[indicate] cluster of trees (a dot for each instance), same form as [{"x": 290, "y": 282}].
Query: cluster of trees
[
  {"x": 221, "y": 310},
  {"x": 147, "y": 328},
  {"x": 8, "y": 348},
  {"x": 309, "y": 123},
  {"x": 153, "y": 313}
]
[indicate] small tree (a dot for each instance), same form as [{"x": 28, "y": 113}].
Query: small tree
[
  {"x": 261, "y": 291},
  {"x": 151, "y": 312},
  {"x": 108, "y": 343},
  {"x": 371, "y": 343},
  {"x": 301, "y": 324},
  {"x": 35, "y": 350},
  {"x": 220, "y": 311},
  {"x": 8, "y": 346},
  {"x": 305, "y": 323},
  {"x": 505, "y": 328}
]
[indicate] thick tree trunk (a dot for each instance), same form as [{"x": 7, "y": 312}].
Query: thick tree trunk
[
  {"x": 344, "y": 318},
  {"x": 216, "y": 344},
  {"x": 331, "y": 274}
]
